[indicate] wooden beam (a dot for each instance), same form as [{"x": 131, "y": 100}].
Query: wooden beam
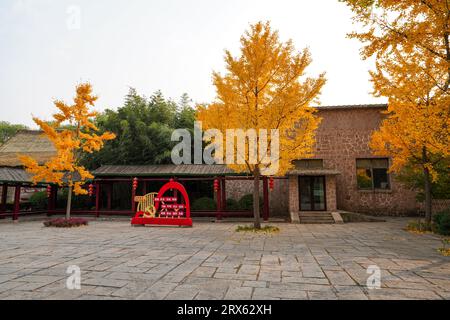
[
  {"x": 97, "y": 198},
  {"x": 16, "y": 210},
  {"x": 224, "y": 194},
  {"x": 133, "y": 195},
  {"x": 4, "y": 198},
  {"x": 219, "y": 203},
  {"x": 109, "y": 196}
]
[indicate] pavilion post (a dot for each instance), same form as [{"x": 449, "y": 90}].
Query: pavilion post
[
  {"x": 219, "y": 204},
  {"x": 52, "y": 199},
  {"x": 17, "y": 202},
  {"x": 49, "y": 201},
  {"x": 97, "y": 199},
  {"x": 54, "y": 196},
  {"x": 133, "y": 195},
  {"x": 4, "y": 198},
  {"x": 144, "y": 188},
  {"x": 224, "y": 194},
  {"x": 109, "y": 196},
  {"x": 266, "y": 199}
]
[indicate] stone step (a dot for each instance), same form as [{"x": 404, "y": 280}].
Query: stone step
[
  {"x": 316, "y": 222},
  {"x": 316, "y": 218},
  {"x": 315, "y": 215}
]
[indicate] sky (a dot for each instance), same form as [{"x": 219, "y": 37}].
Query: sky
[{"x": 47, "y": 47}]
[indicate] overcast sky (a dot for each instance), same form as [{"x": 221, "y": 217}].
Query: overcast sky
[{"x": 48, "y": 46}]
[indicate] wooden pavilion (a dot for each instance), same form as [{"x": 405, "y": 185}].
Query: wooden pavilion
[
  {"x": 12, "y": 174},
  {"x": 109, "y": 177}
]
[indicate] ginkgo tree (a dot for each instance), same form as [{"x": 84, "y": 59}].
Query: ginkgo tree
[
  {"x": 264, "y": 89},
  {"x": 73, "y": 133},
  {"x": 409, "y": 40}
]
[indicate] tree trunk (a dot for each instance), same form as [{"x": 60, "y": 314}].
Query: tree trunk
[
  {"x": 257, "y": 223},
  {"x": 69, "y": 203},
  {"x": 427, "y": 190}
]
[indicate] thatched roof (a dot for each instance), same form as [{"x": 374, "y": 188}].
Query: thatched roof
[
  {"x": 26, "y": 142},
  {"x": 163, "y": 170}
]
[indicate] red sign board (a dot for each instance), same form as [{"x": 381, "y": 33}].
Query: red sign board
[{"x": 162, "y": 210}]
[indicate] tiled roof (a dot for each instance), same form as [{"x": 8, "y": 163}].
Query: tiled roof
[
  {"x": 314, "y": 172},
  {"x": 26, "y": 142},
  {"x": 14, "y": 175},
  {"x": 163, "y": 170},
  {"x": 354, "y": 106}
]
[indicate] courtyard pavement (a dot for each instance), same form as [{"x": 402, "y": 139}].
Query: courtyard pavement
[{"x": 212, "y": 261}]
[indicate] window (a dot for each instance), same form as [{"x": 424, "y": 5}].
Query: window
[
  {"x": 308, "y": 164},
  {"x": 372, "y": 174}
]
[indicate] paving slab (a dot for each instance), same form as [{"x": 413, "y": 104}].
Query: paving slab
[{"x": 212, "y": 261}]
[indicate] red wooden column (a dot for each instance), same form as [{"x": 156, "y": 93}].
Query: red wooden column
[
  {"x": 144, "y": 188},
  {"x": 219, "y": 203},
  {"x": 97, "y": 198},
  {"x": 109, "y": 196},
  {"x": 52, "y": 199},
  {"x": 134, "y": 186},
  {"x": 49, "y": 200},
  {"x": 17, "y": 202},
  {"x": 54, "y": 196},
  {"x": 224, "y": 194},
  {"x": 4, "y": 198},
  {"x": 266, "y": 199}
]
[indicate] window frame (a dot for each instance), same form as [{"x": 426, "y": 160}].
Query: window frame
[
  {"x": 308, "y": 163},
  {"x": 372, "y": 178}
]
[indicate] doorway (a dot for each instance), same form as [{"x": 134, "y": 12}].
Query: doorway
[{"x": 312, "y": 193}]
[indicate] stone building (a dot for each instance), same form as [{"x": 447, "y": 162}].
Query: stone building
[{"x": 344, "y": 174}]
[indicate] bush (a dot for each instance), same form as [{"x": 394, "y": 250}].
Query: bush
[
  {"x": 39, "y": 200},
  {"x": 232, "y": 204},
  {"x": 64, "y": 223},
  {"x": 204, "y": 204},
  {"x": 246, "y": 202},
  {"x": 78, "y": 202},
  {"x": 418, "y": 227},
  {"x": 442, "y": 222},
  {"x": 265, "y": 229}
]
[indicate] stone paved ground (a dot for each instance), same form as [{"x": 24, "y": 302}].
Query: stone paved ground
[{"x": 211, "y": 261}]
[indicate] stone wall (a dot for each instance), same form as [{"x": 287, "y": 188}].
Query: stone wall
[
  {"x": 293, "y": 196},
  {"x": 278, "y": 198},
  {"x": 437, "y": 205},
  {"x": 330, "y": 187},
  {"x": 344, "y": 136}
]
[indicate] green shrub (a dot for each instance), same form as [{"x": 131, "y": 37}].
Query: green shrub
[
  {"x": 442, "y": 222},
  {"x": 232, "y": 204},
  {"x": 39, "y": 200},
  {"x": 246, "y": 202},
  {"x": 418, "y": 227},
  {"x": 204, "y": 203},
  {"x": 265, "y": 229},
  {"x": 78, "y": 202}
]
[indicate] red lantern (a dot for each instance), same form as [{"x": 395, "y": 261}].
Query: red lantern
[
  {"x": 216, "y": 185},
  {"x": 271, "y": 183},
  {"x": 135, "y": 183},
  {"x": 49, "y": 191},
  {"x": 91, "y": 190}
]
